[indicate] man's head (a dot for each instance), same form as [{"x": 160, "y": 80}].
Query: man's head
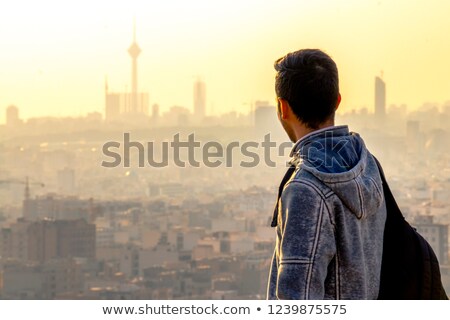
[{"x": 307, "y": 88}]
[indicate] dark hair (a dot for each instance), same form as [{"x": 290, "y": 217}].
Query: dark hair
[{"x": 308, "y": 80}]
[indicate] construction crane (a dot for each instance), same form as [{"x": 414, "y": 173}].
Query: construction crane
[{"x": 27, "y": 184}]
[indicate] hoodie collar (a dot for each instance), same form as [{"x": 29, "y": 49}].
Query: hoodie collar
[{"x": 320, "y": 133}]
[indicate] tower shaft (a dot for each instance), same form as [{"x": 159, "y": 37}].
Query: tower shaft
[
  {"x": 134, "y": 87},
  {"x": 134, "y": 52}
]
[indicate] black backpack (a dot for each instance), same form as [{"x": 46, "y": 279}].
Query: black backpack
[{"x": 409, "y": 267}]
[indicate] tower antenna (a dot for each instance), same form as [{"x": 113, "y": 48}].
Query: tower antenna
[{"x": 134, "y": 29}]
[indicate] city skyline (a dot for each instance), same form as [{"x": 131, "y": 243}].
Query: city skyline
[{"x": 60, "y": 71}]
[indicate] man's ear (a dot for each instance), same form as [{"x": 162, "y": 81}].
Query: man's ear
[
  {"x": 284, "y": 108},
  {"x": 338, "y": 101}
]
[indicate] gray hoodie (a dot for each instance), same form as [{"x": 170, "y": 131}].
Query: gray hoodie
[{"x": 330, "y": 221}]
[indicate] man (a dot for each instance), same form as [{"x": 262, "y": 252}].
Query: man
[{"x": 331, "y": 212}]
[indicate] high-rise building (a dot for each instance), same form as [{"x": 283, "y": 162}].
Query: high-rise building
[
  {"x": 199, "y": 100},
  {"x": 48, "y": 239},
  {"x": 380, "y": 98},
  {"x": 14, "y": 240},
  {"x": 51, "y": 206},
  {"x": 112, "y": 105},
  {"x": 76, "y": 238},
  {"x": 12, "y": 116},
  {"x": 42, "y": 240},
  {"x": 266, "y": 121},
  {"x": 265, "y": 117}
]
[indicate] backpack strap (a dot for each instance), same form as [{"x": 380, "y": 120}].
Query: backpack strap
[{"x": 285, "y": 179}]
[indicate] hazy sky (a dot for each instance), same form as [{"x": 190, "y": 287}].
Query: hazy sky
[{"x": 55, "y": 54}]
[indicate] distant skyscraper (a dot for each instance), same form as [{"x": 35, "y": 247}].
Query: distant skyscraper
[
  {"x": 12, "y": 116},
  {"x": 199, "y": 100},
  {"x": 265, "y": 117},
  {"x": 380, "y": 98},
  {"x": 266, "y": 120}
]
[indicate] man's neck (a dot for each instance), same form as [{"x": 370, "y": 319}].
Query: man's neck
[{"x": 301, "y": 130}]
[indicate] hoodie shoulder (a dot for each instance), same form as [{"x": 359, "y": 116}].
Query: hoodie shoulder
[
  {"x": 302, "y": 176},
  {"x": 359, "y": 188}
]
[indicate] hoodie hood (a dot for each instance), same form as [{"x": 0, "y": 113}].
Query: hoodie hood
[{"x": 339, "y": 159}]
